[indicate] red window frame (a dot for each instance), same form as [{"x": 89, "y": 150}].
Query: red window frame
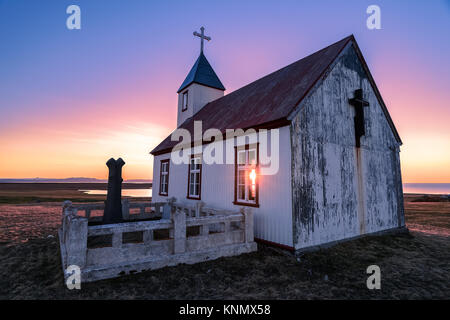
[
  {"x": 188, "y": 195},
  {"x": 161, "y": 175},
  {"x": 238, "y": 201}
]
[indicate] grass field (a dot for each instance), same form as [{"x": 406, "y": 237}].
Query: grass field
[
  {"x": 20, "y": 193},
  {"x": 413, "y": 266}
]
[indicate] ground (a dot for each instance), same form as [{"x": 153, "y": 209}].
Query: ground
[
  {"x": 56, "y": 192},
  {"x": 413, "y": 266}
]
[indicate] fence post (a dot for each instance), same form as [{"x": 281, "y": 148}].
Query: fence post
[
  {"x": 125, "y": 209},
  {"x": 157, "y": 210},
  {"x": 248, "y": 216},
  {"x": 75, "y": 231},
  {"x": 66, "y": 212},
  {"x": 204, "y": 230},
  {"x": 179, "y": 227},
  {"x": 168, "y": 208},
  {"x": 198, "y": 208},
  {"x": 117, "y": 239},
  {"x": 147, "y": 236}
]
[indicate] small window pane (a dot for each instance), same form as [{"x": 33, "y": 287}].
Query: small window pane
[
  {"x": 241, "y": 176},
  {"x": 252, "y": 192},
  {"x": 197, "y": 177},
  {"x": 252, "y": 157},
  {"x": 241, "y": 158},
  {"x": 241, "y": 192},
  {"x": 185, "y": 100}
]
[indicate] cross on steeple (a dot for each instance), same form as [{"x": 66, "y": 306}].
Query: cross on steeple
[
  {"x": 358, "y": 102},
  {"x": 202, "y": 36}
]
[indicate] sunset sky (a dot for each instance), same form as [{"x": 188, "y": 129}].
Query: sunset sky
[{"x": 71, "y": 99}]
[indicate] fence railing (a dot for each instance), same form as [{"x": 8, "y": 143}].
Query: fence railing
[
  {"x": 182, "y": 234},
  {"x": 130, "y": 210}
]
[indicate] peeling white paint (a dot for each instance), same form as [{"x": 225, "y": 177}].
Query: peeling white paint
[{"x": 334, "y": 198}]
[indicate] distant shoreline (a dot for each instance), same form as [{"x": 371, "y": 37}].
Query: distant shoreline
[
  {"x": 70, "y": 180},
  {"x": 40, "y": 192},
  {"x": 408, "y": 188},
  {"x": 68, "y": 185}
]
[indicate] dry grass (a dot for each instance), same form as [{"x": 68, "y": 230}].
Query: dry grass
[
  {"x": 431, "y": 217},
  {"x": 20, "y": 193},
  {"x": 413, "y": 266}
]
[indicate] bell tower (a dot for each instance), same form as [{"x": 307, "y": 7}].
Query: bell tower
[{"x": 202, "y": 85}]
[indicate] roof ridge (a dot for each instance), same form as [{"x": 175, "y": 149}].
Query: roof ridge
[
  {"x": 292, "y": 63},
  {"x": 347, "y": 40},
  {"x": 267, "y": 100},
  {"x": 350, "y": 37}
]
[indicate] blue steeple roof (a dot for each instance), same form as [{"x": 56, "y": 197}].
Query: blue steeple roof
[{"x": 202, "y": 73}]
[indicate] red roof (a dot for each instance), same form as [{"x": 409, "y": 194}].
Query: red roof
[{"x": 266, "y": 101}]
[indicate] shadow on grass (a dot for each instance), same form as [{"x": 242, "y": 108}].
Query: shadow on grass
[{"x": 413, "y": 266}]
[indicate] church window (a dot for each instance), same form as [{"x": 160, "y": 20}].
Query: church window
[
  {"x": 164, "y": 178},
  {"x": 185, "y": 100},
  {"x": 246, "y": 176},
  {"x": 194, "y": 178}
]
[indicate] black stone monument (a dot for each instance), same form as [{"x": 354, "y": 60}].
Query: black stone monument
[{"x": 113, "y": 204}]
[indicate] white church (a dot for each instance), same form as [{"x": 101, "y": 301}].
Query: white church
[{"x": 338, "y": 174}]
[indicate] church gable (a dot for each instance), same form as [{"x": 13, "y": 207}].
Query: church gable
[
  {"x": 354, "y": 57},
  {"x": 328, "y": 104}
]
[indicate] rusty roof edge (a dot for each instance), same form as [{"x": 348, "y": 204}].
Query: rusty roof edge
[
  {"x": 278, "y": 123},
  {"x": 348, "y": 38},
  {"x": 320, "y": 78},
  {"x": 275, "y": 71}
]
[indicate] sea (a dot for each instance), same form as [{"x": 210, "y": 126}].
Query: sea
[{"x": 426, "y": 188}]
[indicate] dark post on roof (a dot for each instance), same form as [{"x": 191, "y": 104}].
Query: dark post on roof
[{"x": 358, "y": 102}]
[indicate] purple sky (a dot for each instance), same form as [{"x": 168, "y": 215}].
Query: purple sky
[{"x": 70, "y": 99}]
